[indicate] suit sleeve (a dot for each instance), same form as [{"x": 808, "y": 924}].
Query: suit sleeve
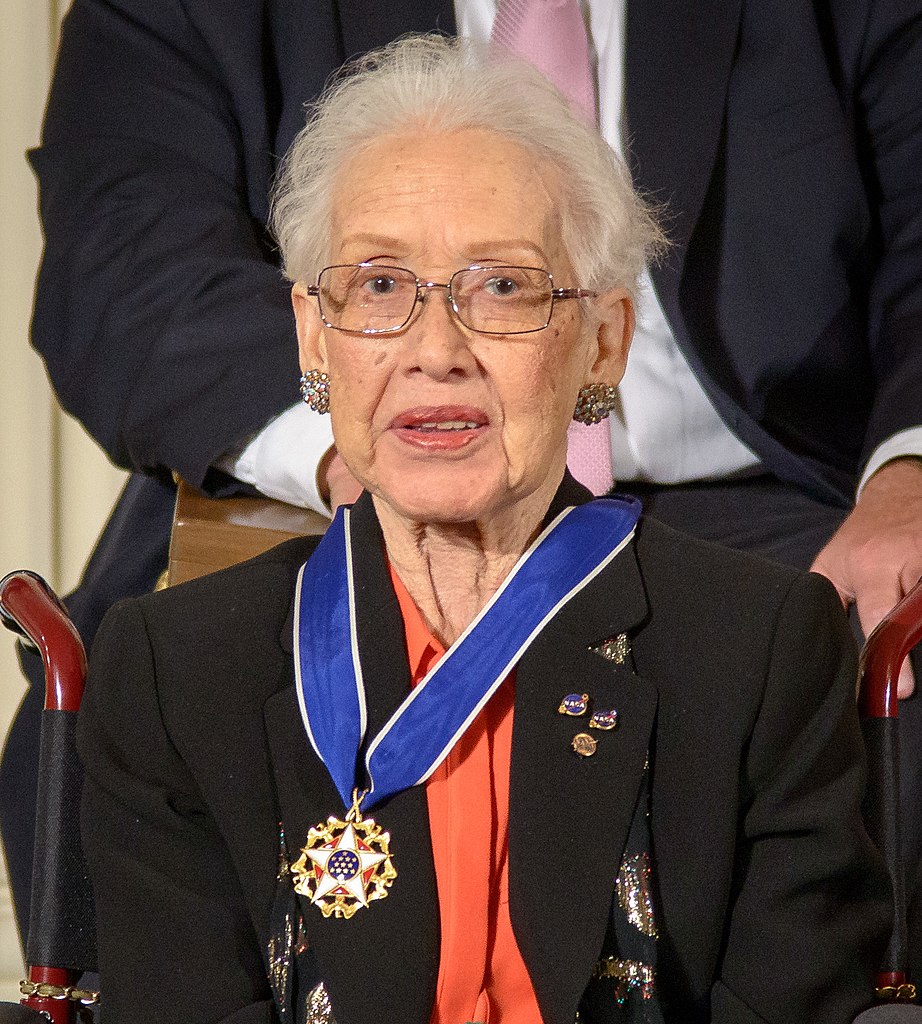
[
  {"x": 160, "y": 311},
  {"x": 174, "y": 937},
  {"x": 811, "y": 912},
  {"x": 883, "y": 52}
]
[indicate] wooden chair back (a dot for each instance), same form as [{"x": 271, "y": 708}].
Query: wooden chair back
[{"x": 214, "y": 533}]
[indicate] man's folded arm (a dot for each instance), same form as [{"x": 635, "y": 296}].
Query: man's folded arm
[
  {"x": 881, "y": 53},
  {"x": 163, "y": 319}
]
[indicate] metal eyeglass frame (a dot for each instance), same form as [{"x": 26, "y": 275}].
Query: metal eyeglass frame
[{"x": 423, "y": 288}]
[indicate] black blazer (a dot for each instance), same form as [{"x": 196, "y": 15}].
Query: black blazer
[{"x": 771, "y": 902}]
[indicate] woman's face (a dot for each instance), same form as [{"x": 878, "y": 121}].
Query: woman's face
[{"x": 445, "y": 424}]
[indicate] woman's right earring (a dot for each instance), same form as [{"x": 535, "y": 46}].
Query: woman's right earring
[
  {"x": 315, "y": 390},
  {"x": 594, "y": 402}
]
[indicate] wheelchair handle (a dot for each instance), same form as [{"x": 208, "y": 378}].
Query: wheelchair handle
[
  {"x": 30, "y": 608},
  {"x": 884, "y": 653},
  {"x": 882, "y": 656}
]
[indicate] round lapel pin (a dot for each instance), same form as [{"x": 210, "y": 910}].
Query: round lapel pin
[
  {"x": 574, "y": 704},
  {"x": 584, "y": 744},
  {"x": 604, "y": 720}
]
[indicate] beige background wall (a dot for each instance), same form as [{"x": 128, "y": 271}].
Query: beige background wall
[{"x": 57, "y": 487}]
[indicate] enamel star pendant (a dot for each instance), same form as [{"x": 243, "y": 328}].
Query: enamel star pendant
[{"x": 345, "y": 864}]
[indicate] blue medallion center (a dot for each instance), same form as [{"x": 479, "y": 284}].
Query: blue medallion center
[{"x": 343, "y": 865}]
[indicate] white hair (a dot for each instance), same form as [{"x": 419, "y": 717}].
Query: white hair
[{"x": 440, "y": 84}]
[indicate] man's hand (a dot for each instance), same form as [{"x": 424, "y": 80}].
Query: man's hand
[
  {"x": 337, "y": 485},
  {"x": 875, "y": 556}
]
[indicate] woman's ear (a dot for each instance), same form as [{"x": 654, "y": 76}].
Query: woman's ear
[
  {"x": 312, "y": 351},
  {"x": 615, "y": 311}
]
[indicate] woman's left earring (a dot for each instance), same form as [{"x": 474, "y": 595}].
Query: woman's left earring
[
  {"x": 594, "y": 402},
  {"x": 315, "y": 390}
]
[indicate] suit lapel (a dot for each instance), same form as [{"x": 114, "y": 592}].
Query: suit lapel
[
  {"x": 570, "y": 815},
  {"x": 677, "y": 67},
  {"x": 363, "y": 960}
]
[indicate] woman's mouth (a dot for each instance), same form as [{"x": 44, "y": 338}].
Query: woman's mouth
[
  {"x": 440, "y": 428},
  {"x": 449, "y": 425}
]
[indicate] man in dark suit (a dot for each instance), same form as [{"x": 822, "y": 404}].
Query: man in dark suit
[{"x": 783, "y": 140}]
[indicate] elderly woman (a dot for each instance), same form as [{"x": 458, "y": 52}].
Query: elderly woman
[{"x": 490, "y": 750}]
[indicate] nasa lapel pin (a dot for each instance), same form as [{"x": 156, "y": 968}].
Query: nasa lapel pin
[
  {"x": 574, "y": 704},
  {"x": 605, "y": 720}
]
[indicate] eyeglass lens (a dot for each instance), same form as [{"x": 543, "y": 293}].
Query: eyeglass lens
[{"x": 491, "y": 300}]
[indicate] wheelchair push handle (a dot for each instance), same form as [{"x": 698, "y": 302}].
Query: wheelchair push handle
[
  {"x": 30, "y": 608},
  {"x": 883, "y": 655},
  {"x": 886, "y": 649}
]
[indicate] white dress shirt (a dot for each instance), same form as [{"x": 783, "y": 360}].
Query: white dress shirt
[{"x": 666, "y": 429}]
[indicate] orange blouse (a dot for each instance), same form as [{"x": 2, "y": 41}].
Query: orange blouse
[{"x": 482, "y": 976}]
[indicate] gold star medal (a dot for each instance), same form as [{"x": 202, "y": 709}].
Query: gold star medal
[{"x": 345, "y": 864}]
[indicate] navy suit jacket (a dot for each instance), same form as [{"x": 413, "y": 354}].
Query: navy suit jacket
[{"x": 782, "y": 140}]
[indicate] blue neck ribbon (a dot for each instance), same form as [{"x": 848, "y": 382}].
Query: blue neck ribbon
[{"x": 567, "y": 555}]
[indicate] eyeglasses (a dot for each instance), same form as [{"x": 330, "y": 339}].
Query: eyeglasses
[{"x": 369, "y": 298}]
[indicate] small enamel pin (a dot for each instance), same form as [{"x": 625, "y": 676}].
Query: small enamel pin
[
  {"x": 574, "y": 704},
  {"x": 615, "y": 649},
  {"x": 604, "y": 720},
  {"x": 584, "y": 744}
]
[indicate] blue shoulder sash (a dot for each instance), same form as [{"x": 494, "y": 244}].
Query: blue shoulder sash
[{"x": 568, "y": 554}]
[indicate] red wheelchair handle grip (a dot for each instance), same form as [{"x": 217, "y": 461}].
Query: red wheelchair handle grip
[
  {"x": 29, "y": 607},
  {"x": 884, "y": 653}
]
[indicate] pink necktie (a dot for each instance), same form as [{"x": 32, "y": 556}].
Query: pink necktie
[{"x": 552, "y": 36}]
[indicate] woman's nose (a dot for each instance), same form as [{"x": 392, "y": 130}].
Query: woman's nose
[{"x": 441, "y": 342}]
